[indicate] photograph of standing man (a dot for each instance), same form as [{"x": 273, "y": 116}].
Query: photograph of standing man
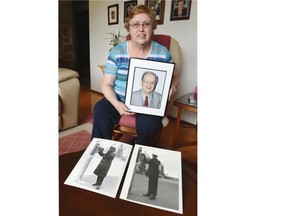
[
  {"x": 153, "y": 174},
  {"x": 147, "y": 96}
]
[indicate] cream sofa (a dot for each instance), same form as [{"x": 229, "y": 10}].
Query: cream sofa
[{"x": 68, "y": 98}]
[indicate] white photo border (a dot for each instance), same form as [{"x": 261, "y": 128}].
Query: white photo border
[
  {"x": 157, "y": 67},
  {"x": 82, "y": 174},
  {"x": 170, "y": 159}
]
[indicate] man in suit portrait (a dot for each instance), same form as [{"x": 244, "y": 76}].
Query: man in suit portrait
[{"x": 147, "y": 96}]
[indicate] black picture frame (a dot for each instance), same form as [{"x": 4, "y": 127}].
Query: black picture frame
[
  {"x": 128, "y": 5},
  {"x": 163, "y": 71},
  {"x": 187, "y": 9},
  {"x": 159, "y": 9},
  {"x": 113, "y": 14}
]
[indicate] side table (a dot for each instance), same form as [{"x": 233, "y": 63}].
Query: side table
[{"x": 183, "y": 104}]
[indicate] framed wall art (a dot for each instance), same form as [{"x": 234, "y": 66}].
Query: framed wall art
[
  {"x": 159, "y": 8},
  {"x": 113, "y": 14},
  {"x": 148, "y": 86},
  {"x": 180, "y": 10},
  {"x": 128, "y": 5}
]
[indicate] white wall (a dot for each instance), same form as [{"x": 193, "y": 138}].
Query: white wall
[{"x": 184, "y": 31}]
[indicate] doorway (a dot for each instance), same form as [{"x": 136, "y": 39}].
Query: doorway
[
  {"x": 74, "y": 46},
  {"x": 81, "y": 16}
]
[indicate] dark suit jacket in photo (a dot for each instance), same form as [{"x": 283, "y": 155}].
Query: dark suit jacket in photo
[{"x": 184, "y": 13}]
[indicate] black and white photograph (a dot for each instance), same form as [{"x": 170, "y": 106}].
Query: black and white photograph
[
  {"x": 180, "y": 10},
  {"x": 158, "y": 6},
  {"x": 113, "y": 14},
  {"x": 148, "y": 87},
  {"x": 128, "y": 5},
  {"x": 101, "y": 167},
  {"x": 154, "y": 178}
]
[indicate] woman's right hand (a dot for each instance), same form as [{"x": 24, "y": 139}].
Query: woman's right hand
[
  {"x": 122, "y": 108},
  {"x": 109, "y": 92}
]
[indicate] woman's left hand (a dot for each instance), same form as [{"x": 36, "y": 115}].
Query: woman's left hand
[{"x": 172, "y": 91}]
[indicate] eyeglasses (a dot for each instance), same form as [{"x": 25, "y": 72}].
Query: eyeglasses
[{"x": 137, "y": 25}]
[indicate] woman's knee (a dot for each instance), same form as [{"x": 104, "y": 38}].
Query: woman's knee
[
  {"x": 99, "y": 107},
  {"x": 148, "y": 126},
  {"x": 104, "y": 110}
]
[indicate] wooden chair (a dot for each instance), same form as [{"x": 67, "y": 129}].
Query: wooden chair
[{"x": 127, "y": 124}]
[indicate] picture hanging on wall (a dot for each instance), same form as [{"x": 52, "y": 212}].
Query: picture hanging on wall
[
  {"x": 158, "y": 6},
  {"x": 180, "y": 10},
  {"x": 128, "y": 5},
  {"x": 113, "y": 14}
]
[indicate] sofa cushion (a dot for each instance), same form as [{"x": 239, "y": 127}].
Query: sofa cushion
[
  {"x": 66, "y": 74},
  {"x": 68, "y": 98},
  {"x": 59, "y": 105},
  {"x": 128, "y": 121}
]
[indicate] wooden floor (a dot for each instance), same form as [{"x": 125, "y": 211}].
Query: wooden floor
[{"x": 187, "y": 133}]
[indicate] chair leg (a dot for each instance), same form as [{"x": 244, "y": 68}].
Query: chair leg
[
  {"x": 123, "y": 137},
  {"x": 116, "y": 136}
]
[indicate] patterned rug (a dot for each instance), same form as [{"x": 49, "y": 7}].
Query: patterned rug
[
  {"x": 79, "y": 137},
  {"x": 76, "y": 138}
]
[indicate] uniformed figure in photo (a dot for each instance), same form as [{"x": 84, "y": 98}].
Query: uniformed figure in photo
[
  {"x": 104, "y": 165},
  {"x": 153, "y": 174},
  {"x": 147, "y": 96}
]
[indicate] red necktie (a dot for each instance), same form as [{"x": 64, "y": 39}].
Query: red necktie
[{"x": 146, "y": 101}]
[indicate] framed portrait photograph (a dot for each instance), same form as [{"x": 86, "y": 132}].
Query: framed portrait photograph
[
  {"x": 180, "y": 10},
  {"x": 158, "y": 6},
  {"x": 128, "y": 5},
  {"x": 101, "y": 167},
  {"x": 113, "y": 14},
  {"x": 154, "y": 179},
  {"x": 148, "y": 86}
]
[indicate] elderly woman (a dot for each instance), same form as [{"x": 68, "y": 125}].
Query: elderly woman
[{"x": 140, "y": 24}]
